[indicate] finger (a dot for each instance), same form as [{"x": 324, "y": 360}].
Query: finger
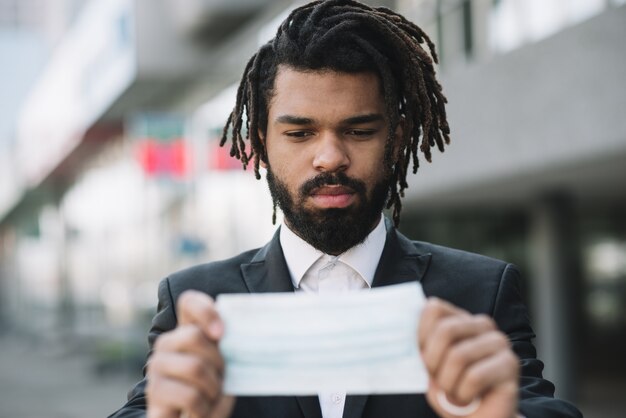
[
  {"x": 190, "y": 369},
  {"x": 455, "y": 409},
  {"x": 433, "y": 311},
  {"x": 223, "y": 408},
  {"x": 197, "y": 308},
  {"x": 463, "y": 355},
  {"x": 169, "y": 394},
  {"x": 156, "y": 411},
  {"x": 448, "y": 331},
  {"x": 190, "y": 339},
  {"x": 487, "y": 374}
]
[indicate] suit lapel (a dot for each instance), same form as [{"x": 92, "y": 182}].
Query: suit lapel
[
  {"x": 354, "y": 406},
  {"x": 310, "y": 406},
  {"x": 400, "y": 262},
  {"x": 268, "y": 272}
]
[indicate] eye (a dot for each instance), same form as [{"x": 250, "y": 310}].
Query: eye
[
  {"x": 298, "y": 135},
  {"x": 361, "y": 133}
]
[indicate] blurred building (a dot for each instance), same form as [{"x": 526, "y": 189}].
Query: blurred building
[
  {"x": 535, "y": 171},
  {"x": 113, "y": 176}
]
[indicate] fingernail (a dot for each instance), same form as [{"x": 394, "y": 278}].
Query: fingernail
[{"x": 216, "y": 329}]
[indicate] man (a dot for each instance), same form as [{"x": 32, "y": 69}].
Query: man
[{"x": 336, "y": 106}]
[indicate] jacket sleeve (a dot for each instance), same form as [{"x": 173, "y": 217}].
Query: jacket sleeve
[
  {"x": 511, "y": 315},
  {"x": 163, "y": 321}
]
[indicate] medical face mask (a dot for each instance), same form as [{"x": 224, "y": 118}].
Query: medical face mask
[{"x": 362, "y": 342}]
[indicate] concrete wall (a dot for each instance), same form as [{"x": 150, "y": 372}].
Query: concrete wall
[{"x": 547, "y": 116}]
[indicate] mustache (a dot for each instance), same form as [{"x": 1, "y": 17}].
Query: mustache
[{"x": 332, "y": 179}]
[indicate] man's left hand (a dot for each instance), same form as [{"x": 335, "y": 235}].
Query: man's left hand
[{"x": 468, "y": 358}]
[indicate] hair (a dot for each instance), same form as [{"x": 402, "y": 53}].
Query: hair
[{"x": 348, "y": 36}]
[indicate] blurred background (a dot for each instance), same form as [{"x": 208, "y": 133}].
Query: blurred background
[{"x": 111, "y": 177}]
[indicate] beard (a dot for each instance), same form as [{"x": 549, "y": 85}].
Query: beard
[{"x": 333, "y": 230}]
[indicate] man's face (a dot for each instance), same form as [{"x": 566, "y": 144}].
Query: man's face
[{"x": 325, "y": 141}]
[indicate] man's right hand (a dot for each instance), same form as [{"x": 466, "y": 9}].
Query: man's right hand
[{"x": 185, "y": 370}]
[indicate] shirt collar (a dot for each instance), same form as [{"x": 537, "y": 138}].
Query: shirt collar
[{"x": 363, "y": 258}]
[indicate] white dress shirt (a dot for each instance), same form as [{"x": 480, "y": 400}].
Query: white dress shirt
[{"x": 313, "y": 271}]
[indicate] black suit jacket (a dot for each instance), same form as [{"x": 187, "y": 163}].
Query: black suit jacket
[{"x": 472, "y": 282}]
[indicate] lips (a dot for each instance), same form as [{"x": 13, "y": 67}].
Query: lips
[
  {"x": 332, "y": 190},
  {"x": 333, "y": 196}
]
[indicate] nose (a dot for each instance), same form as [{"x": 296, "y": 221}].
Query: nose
[{"x": 331, "y": 154}]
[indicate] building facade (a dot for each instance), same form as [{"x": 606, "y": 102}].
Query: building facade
[{"x": 114, "y": 177}]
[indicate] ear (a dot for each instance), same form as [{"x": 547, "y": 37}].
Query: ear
[{"x": 262, "y": 160}]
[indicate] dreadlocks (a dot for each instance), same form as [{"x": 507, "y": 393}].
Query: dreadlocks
[{"x": 347, "y": 36}]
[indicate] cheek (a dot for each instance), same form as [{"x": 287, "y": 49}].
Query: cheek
[
  {"x": 280, "y": 158},
  {"x": 284, "y": 173},
  {"x": 375, "y": 163},
  {"x": 289, "y": 165}
]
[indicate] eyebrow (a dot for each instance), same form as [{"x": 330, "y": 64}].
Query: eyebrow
[
  {"x": 294, "y": 120},
  {"x": 354, "y": 120},
  {"x": 371, "y": 117}
]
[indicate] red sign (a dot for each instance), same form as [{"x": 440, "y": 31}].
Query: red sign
[
  {"x": 160, "y": 158},
  {"x": 220, "y": 159}
]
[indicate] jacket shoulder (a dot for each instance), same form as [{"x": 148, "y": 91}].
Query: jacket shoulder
[
  {"x": 223, "y": 276},
  {"x": 466, "y": 279},
  {"x": 453, "y": 257}
]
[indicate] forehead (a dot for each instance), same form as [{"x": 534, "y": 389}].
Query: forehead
[{"x": 325, "y": 93}]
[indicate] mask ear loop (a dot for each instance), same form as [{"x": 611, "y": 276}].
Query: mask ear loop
[{"x": 453, "y": 409}]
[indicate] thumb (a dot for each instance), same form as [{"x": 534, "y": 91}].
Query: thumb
[{"x": 223, "y": 408}]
